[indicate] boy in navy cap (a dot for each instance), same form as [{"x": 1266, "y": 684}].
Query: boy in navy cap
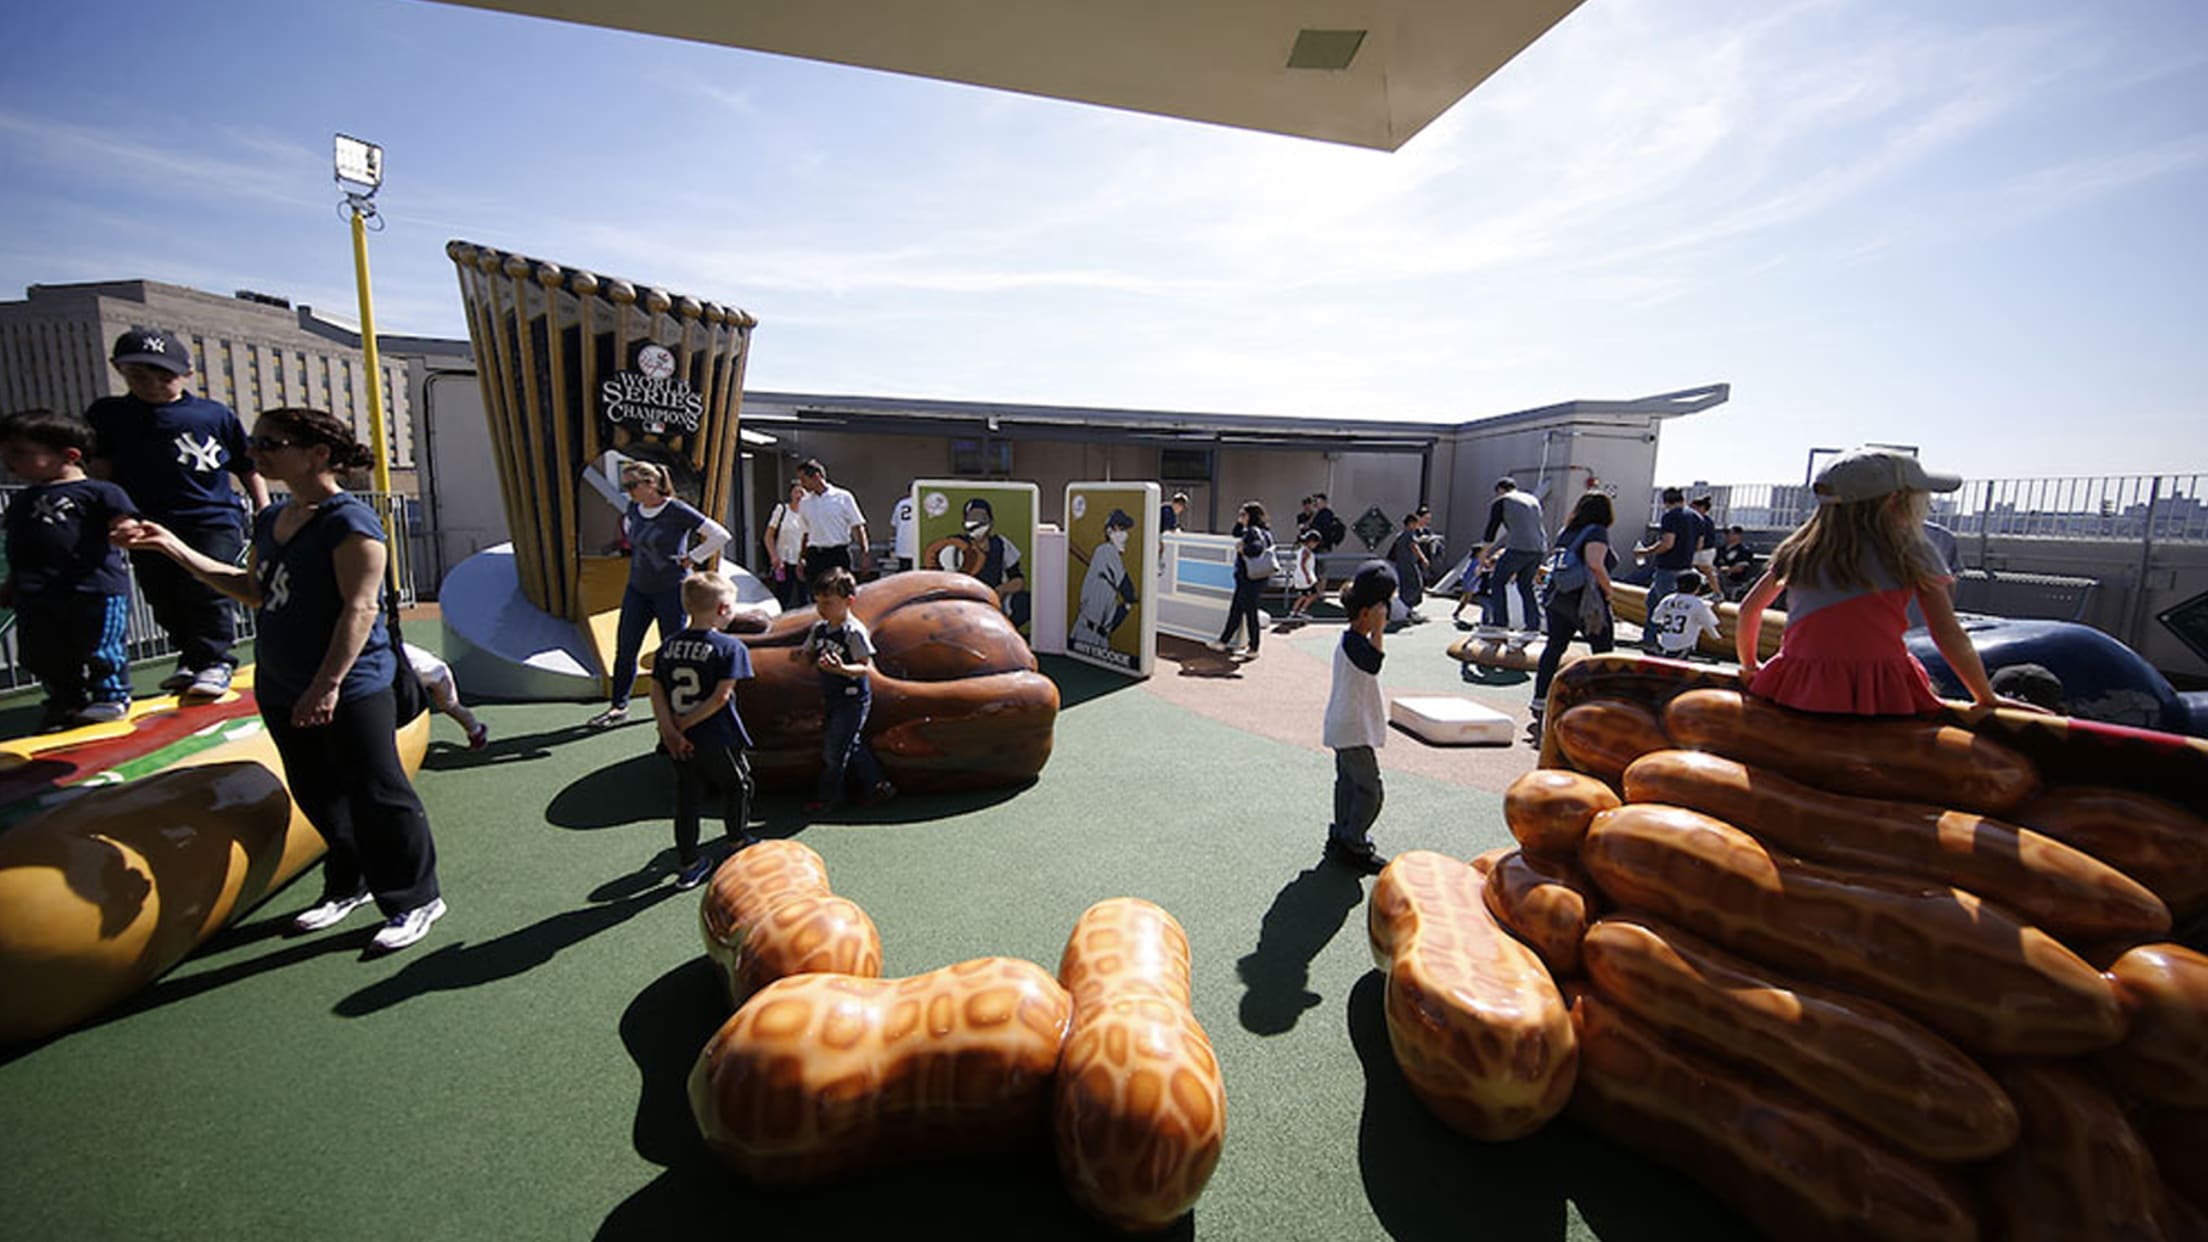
[
  {"x": 66, "y": 582},
  {"x": 170, "y": 449},
  {"x": 1357, "y": 718}
]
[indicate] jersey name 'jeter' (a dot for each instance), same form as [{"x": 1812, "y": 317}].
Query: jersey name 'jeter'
[{"x": 687, "y": 649}]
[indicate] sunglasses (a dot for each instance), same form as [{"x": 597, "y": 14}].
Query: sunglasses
[{"x": 263, "y": 444}]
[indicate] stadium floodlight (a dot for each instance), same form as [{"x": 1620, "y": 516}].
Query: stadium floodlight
[{"x": 359, "y": 164}]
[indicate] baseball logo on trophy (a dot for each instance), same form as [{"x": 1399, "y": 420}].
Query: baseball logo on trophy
[{"x": 651, "y": 396}]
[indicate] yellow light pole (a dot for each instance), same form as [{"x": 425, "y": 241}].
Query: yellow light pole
[{"x": 360, "y": 175}]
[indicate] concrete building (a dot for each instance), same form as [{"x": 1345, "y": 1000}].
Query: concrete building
[
  {"x": 252, "y": 351},
  {"x": 876, "y": 446}
]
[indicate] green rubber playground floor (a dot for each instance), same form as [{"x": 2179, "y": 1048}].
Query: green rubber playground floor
[{"x": 519, "y": 1074}]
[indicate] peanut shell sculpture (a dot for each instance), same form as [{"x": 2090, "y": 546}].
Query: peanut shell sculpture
[
  {"x": 769, "y": 914},
  {"x": 823, "y": 1074},
  {"x": 1473, "y": 1017},
  {"x": 1140, "y": 1109},
  {"x": 958, "y": 703},
  {"x": 1850, "y": 973}
]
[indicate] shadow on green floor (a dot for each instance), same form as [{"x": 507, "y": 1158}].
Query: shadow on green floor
[
  {"x": 1011, "y": 1194},
  {"x": 451, "y": 967},
  {"x": 1425, "y": 1180},
  {"x": 1078, "y": 682},
  {"x": 1305, "y": 916}
]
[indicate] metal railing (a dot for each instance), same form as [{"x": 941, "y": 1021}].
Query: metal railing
[
  {"x": 146, "y": 640},
  {"x": 2161, "y": 508}
]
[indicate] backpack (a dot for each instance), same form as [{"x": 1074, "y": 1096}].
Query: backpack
[
  {"x": 1565, "y": 569},
  {"x": 1335, "y": 530}
]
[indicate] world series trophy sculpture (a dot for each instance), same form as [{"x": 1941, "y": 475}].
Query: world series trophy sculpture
[{"x": 575, "y": 367}]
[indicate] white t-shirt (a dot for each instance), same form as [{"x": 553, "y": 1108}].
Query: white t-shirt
[
  {"x": 788, "y": 526},
  {"x": 1679, "y": 620},
  {"x": 908, "y": 529},
  {"x": 829, "y": 517}
]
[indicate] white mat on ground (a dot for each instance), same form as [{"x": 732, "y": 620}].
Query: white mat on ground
[{"x": 1447, "y": 720}]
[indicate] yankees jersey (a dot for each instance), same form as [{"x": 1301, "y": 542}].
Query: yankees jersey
[
  {"x": 172, "y": 458},
  {"x": 300, "y": 604},
  {"x": 57, "y": 539},
  {"x": 657, "y": 541},
  {"x": 690, "y": 666},
  {"x": 852, "y": 644}
]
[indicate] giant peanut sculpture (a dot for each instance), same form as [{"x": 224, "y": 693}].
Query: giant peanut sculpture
[
  {"x": 1140, "y": 1109},
  {"x": 1847, "y": 972},
  {"x": 768, "y": 914},
  {"x": 822, "y": 1072},
  {"x": 1473, "y": 1017}
]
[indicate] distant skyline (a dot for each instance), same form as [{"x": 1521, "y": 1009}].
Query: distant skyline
[{"x": 1972, "y": 227}]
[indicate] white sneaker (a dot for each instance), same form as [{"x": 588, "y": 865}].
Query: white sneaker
[
  {"x": 410, "y": 926},
  {"x": 609, "y": 717},
  {"x": 177, "y": 680},
  {"x": 209, "y": 683},
  {"x": 1217, "y": 645},
  {"x": 103, "y": 713},
  {"x": 329, "y": 913}
]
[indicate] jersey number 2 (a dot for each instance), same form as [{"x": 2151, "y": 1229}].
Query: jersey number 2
[{"x": 687, "y": 691}]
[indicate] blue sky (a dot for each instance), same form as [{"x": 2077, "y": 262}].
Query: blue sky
[{"x": 1973, "y": 226}]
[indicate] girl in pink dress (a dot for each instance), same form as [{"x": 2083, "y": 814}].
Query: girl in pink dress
[{"x": 1849, "y": 573}]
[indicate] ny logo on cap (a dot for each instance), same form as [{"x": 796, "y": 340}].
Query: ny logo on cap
[{"x": 153, "y": 344}]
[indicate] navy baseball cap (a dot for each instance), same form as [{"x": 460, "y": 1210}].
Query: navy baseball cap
[
  {"x": 155, "y": 348},
  {"x": 1375, "y": 583}
]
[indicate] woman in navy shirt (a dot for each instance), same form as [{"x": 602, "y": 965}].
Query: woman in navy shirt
[
  {"x": 659, "y": 528},
  {"x": 325, "y": 664}
]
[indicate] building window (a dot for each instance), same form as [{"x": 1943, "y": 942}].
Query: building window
[
  {"x": 981, "y": 459},
  {"x": 1184, "y": 465}
]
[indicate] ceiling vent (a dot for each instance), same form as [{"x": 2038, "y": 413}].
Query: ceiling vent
[{"x": 1325, "y": 49}]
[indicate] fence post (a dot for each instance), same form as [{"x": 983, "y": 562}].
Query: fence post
[
  {"x": 2134, "y": 637},
  {"x": 1985, "y": 524}
]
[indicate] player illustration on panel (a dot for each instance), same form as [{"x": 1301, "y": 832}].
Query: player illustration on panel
[
  {"x": 987, "y": 555},
  {"x": 1107, "y": 593}
]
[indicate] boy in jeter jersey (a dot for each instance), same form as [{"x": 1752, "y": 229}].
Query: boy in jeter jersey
[
  {"x": 694, "y": 680},
  {"x": 66, "y": 582}
]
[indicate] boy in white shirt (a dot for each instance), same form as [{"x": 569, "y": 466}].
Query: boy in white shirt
[
  {"x": 1357, "y": 718},
  {"x": 1682, "y": 617}
]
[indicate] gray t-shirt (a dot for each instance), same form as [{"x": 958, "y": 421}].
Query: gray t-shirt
[{"x": 1520, "y": 517}]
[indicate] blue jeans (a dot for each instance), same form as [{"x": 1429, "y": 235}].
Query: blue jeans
[
  {"x": 197, "y": 618},
  {"x": 638, "y": 610},
  {"x": 1515, "y": 564},
  {"x": 843, "y": 749}
]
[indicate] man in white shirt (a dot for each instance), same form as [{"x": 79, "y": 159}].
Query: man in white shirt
[
  {"x": 1682, "y": 617},
  {"x": 833, "y": 522},
  {"x": 907, "y": 524}
]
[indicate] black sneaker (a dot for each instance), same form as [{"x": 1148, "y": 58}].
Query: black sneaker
[
  {"x": 1360, "y": 856},
  {"x": 695, "y": 873}
]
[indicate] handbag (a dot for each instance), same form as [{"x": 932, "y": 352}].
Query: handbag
[
  {"x": 1594, "y": 612},
  {"x": 408, "y": 693},
  {"x": 1262, "y": 566}
]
